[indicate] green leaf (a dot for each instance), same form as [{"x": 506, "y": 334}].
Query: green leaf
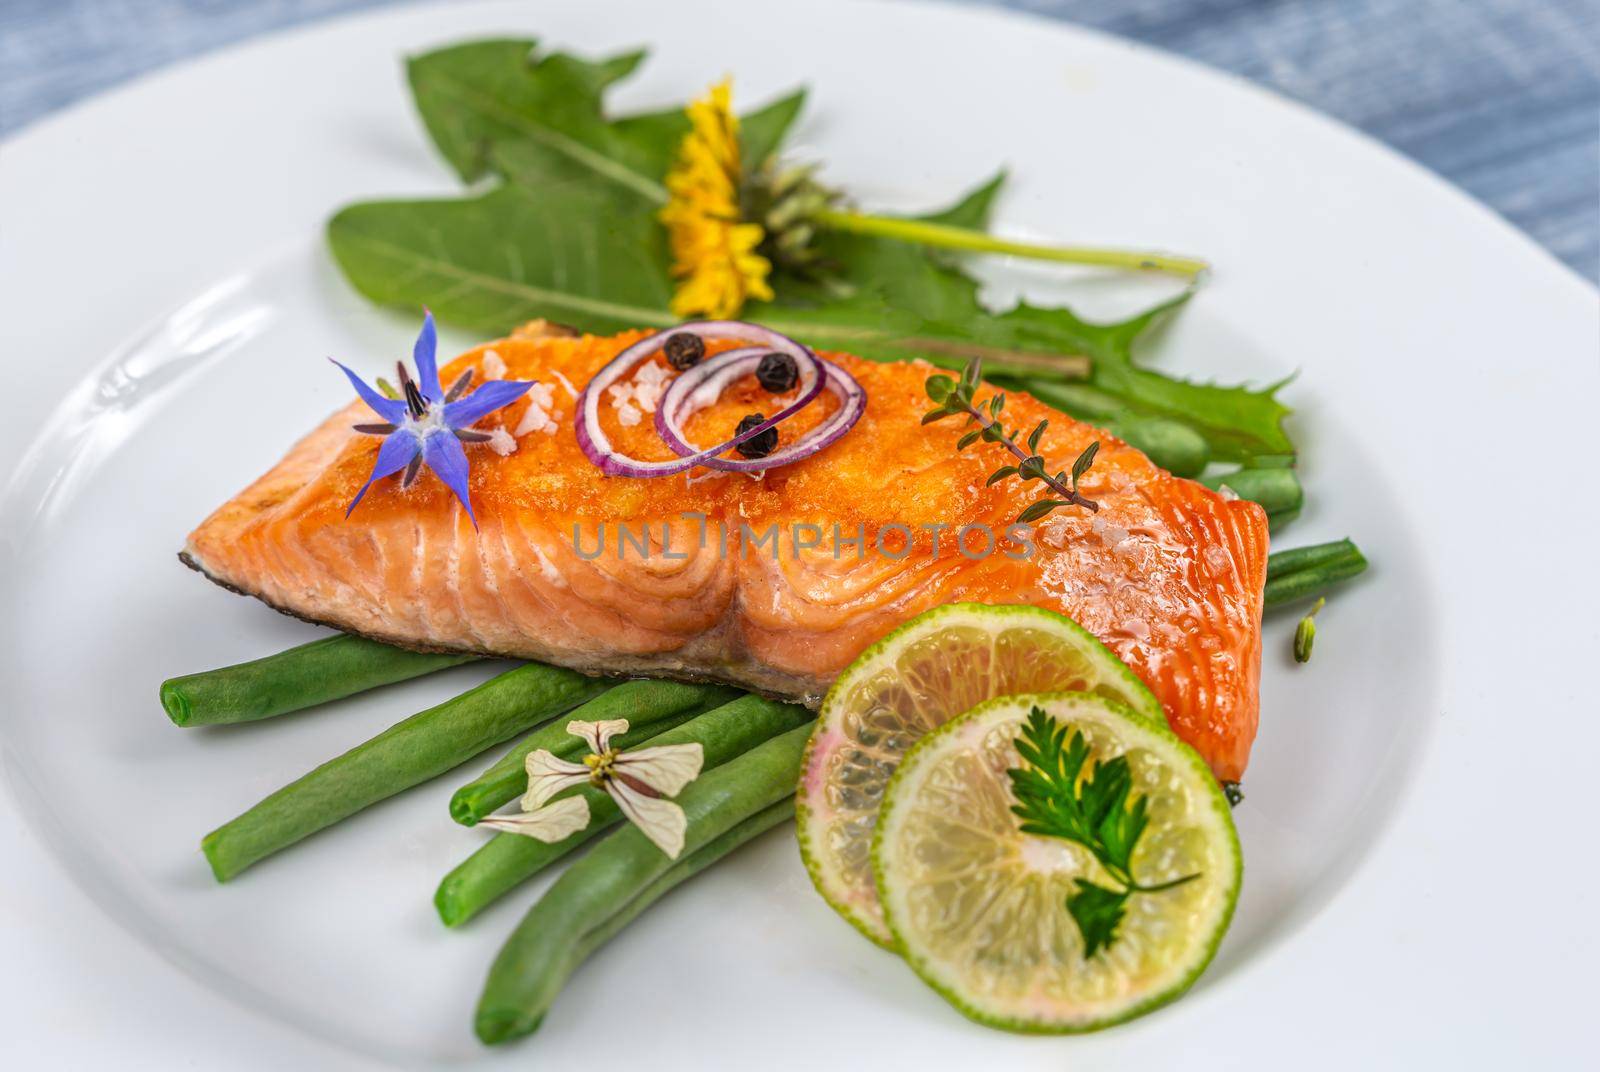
[
  {"x": 1239, "y": 423},
  {"x": 510, "y": 255},
  {"x": 1060, "y": 792},
  {"x": 479, "y": 96},
  {"x": 970, "y": 438},
  {"x": 761, "y": 133},
  {"x": 1039, "y": 509},
  {"x": 1000, "y": 474},
  {"x": 1115, "y": 823},
  {"x": 939, "y": 387},
  {"x": 972, "y": 374},
  {"x": 1098, "y": 912},
  {"x": 1035, "y": 436},
  {"x": 502, "y": 107},
  {"x": 1085, "y": 460}
]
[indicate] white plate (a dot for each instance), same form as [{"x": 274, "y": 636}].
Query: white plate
[{"x": 1419, "y": 877}]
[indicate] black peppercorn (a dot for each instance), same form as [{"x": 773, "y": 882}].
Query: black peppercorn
[
  {"x": 777, "y": 372},
  {"x": 684, "y": 350},
  {"x": 757, "y": 446}
]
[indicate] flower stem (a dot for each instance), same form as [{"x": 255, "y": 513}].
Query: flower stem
[{"x": 944, "y": 236}]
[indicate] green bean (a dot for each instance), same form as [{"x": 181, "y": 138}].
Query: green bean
[
  {"x": 645, "y": 704},
  {"x": 404, "y": 755},
  {"x": 1295, "y": 559},
  {"x": 1277, "y": 489},
  {"x": 550, "y": 942},
  {"x": 506, "y": 859},
  {"x": 1173, "y": 445},
  {"x": 1302, "y": 572},
  {"x": 311, "y": 674},
  {"x": 686, "y": 868},
  {"x": 1314, "y": 580}
]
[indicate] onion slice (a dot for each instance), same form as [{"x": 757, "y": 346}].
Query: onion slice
[
  {"x": 702, "y": 385},
  {"x": 597, "y": 447}
]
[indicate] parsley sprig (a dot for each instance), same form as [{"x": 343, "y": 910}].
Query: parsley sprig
[
  {"x": 956, "y": 399},
  {"x": 1061, "y": 793}
]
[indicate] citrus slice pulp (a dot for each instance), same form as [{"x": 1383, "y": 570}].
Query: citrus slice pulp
[
  {"x": 920, "y": 676},
  {"x": 980, "y": 909}
]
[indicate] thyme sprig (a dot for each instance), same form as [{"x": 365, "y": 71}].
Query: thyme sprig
[{"x": 955, "y": 398}]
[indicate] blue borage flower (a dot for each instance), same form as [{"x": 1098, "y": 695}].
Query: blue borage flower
[{"x": 428, "y": 425}]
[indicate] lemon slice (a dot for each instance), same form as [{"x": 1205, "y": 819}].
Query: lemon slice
[
  {"x": 918, "y": 677},
  {"x": 980, "y": 909}
]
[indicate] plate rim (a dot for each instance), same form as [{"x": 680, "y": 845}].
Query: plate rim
[{"x": 85, "y": 112}]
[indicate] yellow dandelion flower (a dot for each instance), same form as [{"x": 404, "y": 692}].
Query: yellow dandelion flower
[{"x": 713, "y": 251}]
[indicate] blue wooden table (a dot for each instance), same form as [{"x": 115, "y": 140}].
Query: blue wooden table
[{"x": 1500, "y": 96}]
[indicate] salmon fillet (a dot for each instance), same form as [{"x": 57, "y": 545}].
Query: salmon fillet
[{"x": 758, "y": 582}]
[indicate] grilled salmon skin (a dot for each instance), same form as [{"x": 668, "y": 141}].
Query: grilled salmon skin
[{"x": 775, "y": 582}]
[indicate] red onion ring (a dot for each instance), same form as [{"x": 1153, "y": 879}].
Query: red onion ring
[
  {"x": 597, "y": 447},
  {"x": 702, "y": 385}
]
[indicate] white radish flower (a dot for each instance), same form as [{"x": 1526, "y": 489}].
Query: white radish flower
[{"x": 639, "y": 781}]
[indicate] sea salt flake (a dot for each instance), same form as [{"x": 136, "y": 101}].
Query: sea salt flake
[
  {"x": 493, "y": 366},
  {"x": 539, "y": 416},
  {"x": 535, "y": 420},
  {"x": 652, "y": 374},
  {"x": 647, "y": 396},
  {"x": 649, "y": 384},
  {"x": 643, "y": 392},
  {"x": 1110, "y": 535},
  {"x": 502, "y": 442},
  {"x": 1054, "y": 532}
]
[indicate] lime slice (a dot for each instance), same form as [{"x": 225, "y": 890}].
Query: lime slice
[
  {"x": 979, "y": 908},
  {"x": 923, "y": 674}
]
